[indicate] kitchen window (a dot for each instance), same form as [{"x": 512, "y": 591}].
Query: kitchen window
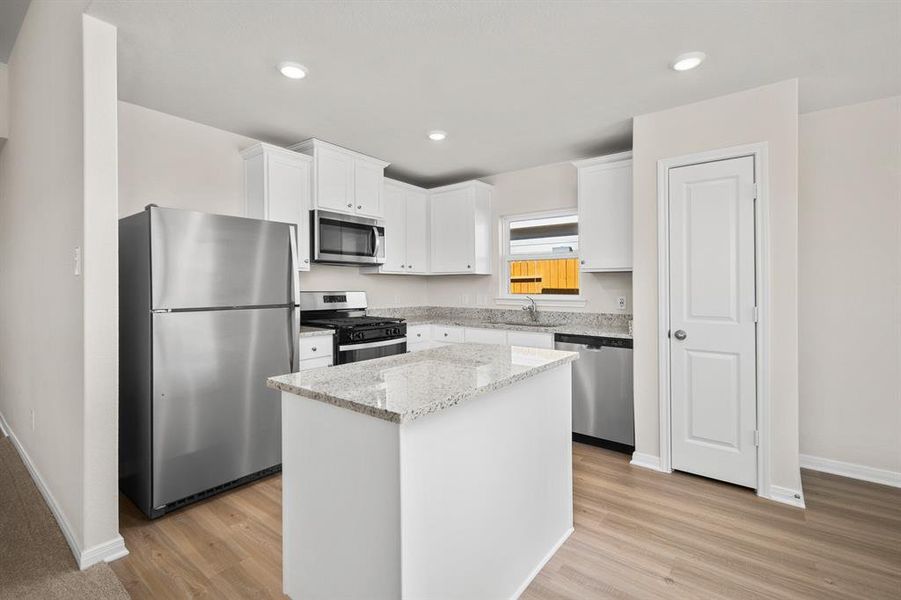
[{"x": 541, "y": 256}]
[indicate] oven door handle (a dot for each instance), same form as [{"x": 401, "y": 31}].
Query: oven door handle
[
  {"x": 377, "y": 242},
  {"x": 379, "y": 344}
]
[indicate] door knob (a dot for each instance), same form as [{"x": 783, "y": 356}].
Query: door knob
[{"x": 680, "y": 335}]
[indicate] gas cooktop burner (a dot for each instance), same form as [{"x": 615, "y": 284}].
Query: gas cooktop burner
[{"x": 351, "y": 322}]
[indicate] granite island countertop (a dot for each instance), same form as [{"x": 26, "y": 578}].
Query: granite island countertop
[{"x": 404, "y": 387}]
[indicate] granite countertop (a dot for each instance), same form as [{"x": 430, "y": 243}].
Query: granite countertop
[
  {"x": 404, "y": 387},
  {"x": 565, "y": 328},
  {"x": 307, "y": 331}
]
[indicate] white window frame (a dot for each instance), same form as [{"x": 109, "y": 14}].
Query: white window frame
[{"x": 504, "y": 295}]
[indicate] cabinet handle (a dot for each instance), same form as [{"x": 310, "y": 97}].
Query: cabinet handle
[
  {"x": 359, "y": 206},
  {"x": 418, "y": 335},
  {"x": 350, "y": 206},
  {"x": 313, "y": 348},
  {"x": 306, "y": 260},
  {"x": 581, "y": 262},
  {"x": 402, "y": 266}
]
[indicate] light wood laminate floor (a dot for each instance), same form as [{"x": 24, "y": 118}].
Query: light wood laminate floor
[{"x": 639, "y": 534}]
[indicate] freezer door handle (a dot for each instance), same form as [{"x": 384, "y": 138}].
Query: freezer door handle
[{"x": 295, "y": 277}]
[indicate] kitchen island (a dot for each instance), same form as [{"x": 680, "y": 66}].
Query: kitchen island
[{"x": 446, "y": 473}]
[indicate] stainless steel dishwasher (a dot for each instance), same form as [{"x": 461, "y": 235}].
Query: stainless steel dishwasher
[{"x": 603, "y": 411}]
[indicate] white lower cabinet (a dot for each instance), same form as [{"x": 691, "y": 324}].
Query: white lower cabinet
[
  {"x": 422, "y": 337},
  {"x": 485, "y": 336},
  {"x": 447, "y": 334},
  {"x": 531, "y": 339},
  {"x": 315, "y": 352}
]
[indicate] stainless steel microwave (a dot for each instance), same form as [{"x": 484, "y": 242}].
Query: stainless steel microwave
[{"x": 342, "y": 239}]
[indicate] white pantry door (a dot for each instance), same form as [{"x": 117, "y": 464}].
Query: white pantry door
[{"x": 712, "y": 320}]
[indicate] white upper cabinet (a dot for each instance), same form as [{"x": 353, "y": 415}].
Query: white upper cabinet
[
  {"x": 417, "y": 225},
  {"x": 277, "y": 188},
  {"x": 395, "y": 205},
  {"x": 460, "y": 228},
  {"x": 343, "y": 180},
  {"x": 605, "y": 213},
  {"x": 406, "y": 228}
]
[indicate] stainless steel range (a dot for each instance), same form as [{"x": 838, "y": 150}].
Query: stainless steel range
[{"x": 357, "y": 336}]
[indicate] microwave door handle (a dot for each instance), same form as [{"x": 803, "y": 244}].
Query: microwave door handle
[{"x": 377, "y": 243}]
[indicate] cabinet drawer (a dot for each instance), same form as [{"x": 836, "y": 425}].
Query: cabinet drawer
[
  {"x": 316, "y": 347},
  {"x": 447, "y": 333},
  {"x": 417, "y": 334},
  {"x": 314, "y": 363},
  {"x": 530, "y": 339},
  {"x": 417, "y": 347},
  {"x": 486, "y": 336}
]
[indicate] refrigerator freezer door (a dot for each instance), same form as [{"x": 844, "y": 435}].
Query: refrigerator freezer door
[
  {"x": 207, "y": 261},
  {"x": 214, "y": 419}
]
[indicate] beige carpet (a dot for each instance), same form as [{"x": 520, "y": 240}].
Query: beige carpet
[{"x": 35, "y": 561}]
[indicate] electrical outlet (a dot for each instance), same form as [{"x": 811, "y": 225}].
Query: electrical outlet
[{"x": 621, "y": 302}]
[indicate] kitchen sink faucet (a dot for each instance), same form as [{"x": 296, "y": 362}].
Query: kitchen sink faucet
[{"x": 532, "y": 307}]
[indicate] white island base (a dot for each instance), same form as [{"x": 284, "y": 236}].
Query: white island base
[{"x": 468, "y": 503}]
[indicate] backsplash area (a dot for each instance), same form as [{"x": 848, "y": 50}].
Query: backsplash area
[{"x": 604, "y": 321}]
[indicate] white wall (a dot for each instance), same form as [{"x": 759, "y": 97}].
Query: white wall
[
  {"x": 59, "y": 153},
  {"x": 547, "y": 187},
  {"x": 850, "y": 284},
  {"x": 101, "y": 285},
  {"x": 4, "y": 103},
  {"x": 178, "y": 163},
  {"x": 765, "y": 114}
]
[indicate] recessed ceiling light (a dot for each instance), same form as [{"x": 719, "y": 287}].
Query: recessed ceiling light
[
  {"x": 292, "y": 70},
  {"x": 688, "y": 61},
  {"x": 437, "y": 135}
]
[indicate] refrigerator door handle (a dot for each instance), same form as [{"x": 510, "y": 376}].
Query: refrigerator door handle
[
  {"x": 293, "y": 331},
  {"x": 295, "y": 283}
]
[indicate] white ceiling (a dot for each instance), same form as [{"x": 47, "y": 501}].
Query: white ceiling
[{"x": 515, "y": 84}]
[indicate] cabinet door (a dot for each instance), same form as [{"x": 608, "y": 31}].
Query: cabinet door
[
  {"x": 452, "y": 231},
  {"x": 334, "y": 180},
  {"x": 605, "y": 217},
  {"x": 289, "y": 200},
  {"x": 477, "y": 335},
  {"x": 530, "y": 339},
  {"x": 417, "y": 232},
  {"x": 395, "y": 230},
  {"x": 368, "y": 180}
]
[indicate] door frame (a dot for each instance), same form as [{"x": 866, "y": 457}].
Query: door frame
[{"x": 763, "y": 285}]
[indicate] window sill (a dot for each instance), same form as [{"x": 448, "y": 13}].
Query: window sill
[{"x": 559, "y": 301}]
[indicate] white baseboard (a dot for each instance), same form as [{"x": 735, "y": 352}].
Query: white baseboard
[
  {"x": 3, "y": 426},
  {"x": 854, "y": 471},
  {"x": 107, "y": 551},
  {"x": 544, "y": 561},
  {"x": 786, "y": 495},
  {"x": 646, "y": 461}
]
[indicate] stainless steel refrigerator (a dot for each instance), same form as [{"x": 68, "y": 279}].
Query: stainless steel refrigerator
[{"x": 207, "y": 311}]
